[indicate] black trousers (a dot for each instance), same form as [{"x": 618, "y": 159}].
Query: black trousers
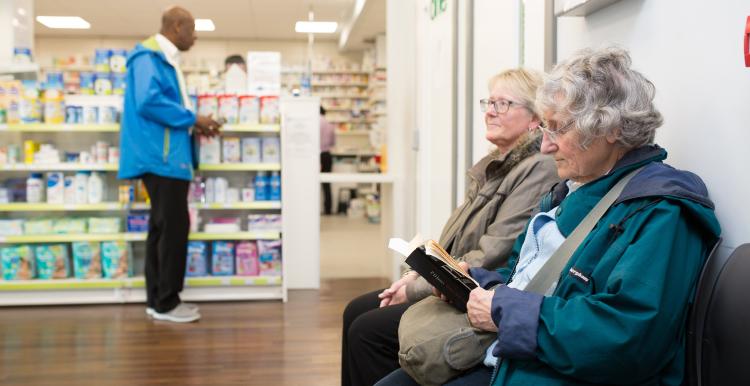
[
  {"x": 166, "y": 245},
  {"x": 369, "y": 344},
  {"x": 326, "y": 165}
]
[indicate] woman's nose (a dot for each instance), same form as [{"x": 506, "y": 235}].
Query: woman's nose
[{"x": 548, "y": 146}]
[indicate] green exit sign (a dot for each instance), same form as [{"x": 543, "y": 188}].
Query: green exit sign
[{"x": 437, "y": 7}]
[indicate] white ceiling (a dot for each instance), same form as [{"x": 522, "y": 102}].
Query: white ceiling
[{"x": 238, "y": 19}]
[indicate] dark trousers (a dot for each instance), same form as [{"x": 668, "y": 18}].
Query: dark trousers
[
  {"x": 166, "y": 245},
  {"x": 326, "y": 165},
  {"x": 369, "y": 344}
]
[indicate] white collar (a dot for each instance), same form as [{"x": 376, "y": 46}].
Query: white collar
[{"x": 171, "y": 52}]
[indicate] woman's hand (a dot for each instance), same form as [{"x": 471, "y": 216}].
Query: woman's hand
[
  {"x": 396, "y": 293},
  {"x": 479, "y": 309}
]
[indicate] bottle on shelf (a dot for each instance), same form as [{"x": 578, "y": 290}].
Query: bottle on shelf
[
  {"x": 275, "y": 187},
  {"x": 34, "y": 188},
  {"x": 96, "y": 188},
  {"x": 261, "y": 186}
]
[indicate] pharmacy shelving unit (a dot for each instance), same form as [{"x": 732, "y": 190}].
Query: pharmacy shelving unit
[{"x": 85, "y": 291}]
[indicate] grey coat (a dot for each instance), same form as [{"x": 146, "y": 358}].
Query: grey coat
[{"x": 503, "y": 192}]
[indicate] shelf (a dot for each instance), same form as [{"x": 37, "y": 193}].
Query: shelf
[
  {"x": 251, "y": 128},
  {"x": 239, "y": 167},
  {"x": 239, "y": 205},
  {"x": 365, "y": 178},
  {"x": 44, "y": 207},
  {"x": 341, "y": 96},
  {"x": 132, "y": 236},
  {"x": 339, "y": 84},
  {"x": 334, "y": 72},
  {"x": 353, "y": 132},
  {"x": 71, "y": 68},
  {"x": 48, "y": 128},
  {"x": 133, "y": 282},
  {"x": 58, "y": 167},
  {"x": 116, "y": 206},
  {"x": 19, "y": 68}
]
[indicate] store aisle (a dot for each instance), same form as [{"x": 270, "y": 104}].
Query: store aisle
[
  {"x": 351, "y": 248},
  {"x": 251, "y": 343}
]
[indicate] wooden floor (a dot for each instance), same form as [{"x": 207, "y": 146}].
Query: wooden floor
[{"x": 249, "y": 343}]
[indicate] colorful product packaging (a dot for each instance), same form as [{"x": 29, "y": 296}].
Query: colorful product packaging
[
  {"x": 197, "y": 259},
  {"x": 116, "y": 260},
  {"x": 269, "y": 257},
  {"x": 87, "y": 262},
  {"x": 17, "y": 262},
  {"x": 231, "y": 151},
  {"x": 222, "y": 258},
  {"x": 251, "y": 150},
  {"x": 52, "y": 261},
  {"x": 271, "y": 150},
  {"x": 247, "y": 258}
]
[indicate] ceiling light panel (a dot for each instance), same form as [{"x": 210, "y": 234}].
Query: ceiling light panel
[
  {"x": 316, "y": 27},
  {"x": 64, "y": 22},
  {"x": 204, "y": 25}
]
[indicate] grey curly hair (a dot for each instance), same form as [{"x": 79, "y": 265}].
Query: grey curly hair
[{"x": 599, "y": 90}]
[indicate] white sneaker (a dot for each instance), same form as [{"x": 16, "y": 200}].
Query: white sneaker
[
  {"x": 150, "y": 311},
  {"x": 180, "y": 314}
]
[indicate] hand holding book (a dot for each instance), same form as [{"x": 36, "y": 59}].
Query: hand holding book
[{"x": 441, "y": 270}]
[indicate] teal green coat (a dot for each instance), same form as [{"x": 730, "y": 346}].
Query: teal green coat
[{"x": 620, "y": 319}]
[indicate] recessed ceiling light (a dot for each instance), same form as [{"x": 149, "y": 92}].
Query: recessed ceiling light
[
  {"x": 316, "y": 27},
  {"x": 204, "y": 25},
  {"x": 21, "y": 11},
  {"x": 66, "y": 22}
]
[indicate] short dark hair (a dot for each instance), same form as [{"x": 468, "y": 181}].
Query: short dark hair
[
  {"x": 234, "y": 59},
  {"x": 322, "y": 110}
]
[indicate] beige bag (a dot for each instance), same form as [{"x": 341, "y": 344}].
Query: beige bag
[{"x": 437, "y": 343}]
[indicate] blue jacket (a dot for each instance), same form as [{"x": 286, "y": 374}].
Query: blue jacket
[
  {"x": 154, "y": 135},
  {"x": 619, "y": 312}
]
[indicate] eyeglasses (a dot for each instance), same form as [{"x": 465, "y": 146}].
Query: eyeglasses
[
  {"x": 501, "y": 106},
  {"x": 553, "y": 132}
]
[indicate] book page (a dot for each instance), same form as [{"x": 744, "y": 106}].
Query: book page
[
  {"x": 434, "y": 249},
  {"x": 403, "y": 247}
]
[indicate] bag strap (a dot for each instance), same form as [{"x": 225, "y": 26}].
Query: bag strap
[{"x": 547, "y": 276}]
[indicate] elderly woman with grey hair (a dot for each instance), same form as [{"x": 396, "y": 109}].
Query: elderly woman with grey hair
[{"x": 617, "y": 313}]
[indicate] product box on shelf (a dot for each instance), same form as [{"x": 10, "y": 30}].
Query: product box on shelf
[
  {"x": 210, "y": 150},
  {"x": 116, "y": 260},
  {"x": 17, "y": 262},
  {"x": 66, "y": 225},
  {"x": 247, "y": 258},
  {"x": 87, "y": 262},
  {"x": 137, "y": 222},
  {"x": 269, "y": 257},
  {"x": 11, "y": 227},
  {"x": 104, "y": 224},
  {"x": 222, "y": 258},
  {"x": 249, "y": 110},
  {"x": 231, "y": 152},
  {"x": 208, "y": 105},
  {"x": 269, "y": 110},
  {"x": 271, "y": 150},
  {"x": 38, "y": 227},
  {"x": 197, "y": 259},
  {"x": 229, "y": 108},
  {"x": 251, "y": 150},
  {"x": 52, "y": 261}
]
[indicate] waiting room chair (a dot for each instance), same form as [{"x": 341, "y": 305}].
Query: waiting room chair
[{"x": 718, "y": 341}]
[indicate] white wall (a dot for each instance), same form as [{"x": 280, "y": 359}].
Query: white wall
[
  {"x": 401, "y": 43},
  {"x": 691, "y": 51},
  {"x": 496, "y": 48},
  {"x": 205, "y": 52},
  {"x": 435, "y": 102}
]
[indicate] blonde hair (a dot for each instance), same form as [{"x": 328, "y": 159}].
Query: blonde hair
[{"x": 522, "y": 83}]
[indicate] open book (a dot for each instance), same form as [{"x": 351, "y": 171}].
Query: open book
[{"x": 441, "y": 270}]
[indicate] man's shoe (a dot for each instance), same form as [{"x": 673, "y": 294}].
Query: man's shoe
[
  {"x": 180, "y": 314},
  {"x": 150, "y": 311}
]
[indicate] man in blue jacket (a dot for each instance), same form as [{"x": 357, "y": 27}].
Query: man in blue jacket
[{"x": 156, "y": 146}]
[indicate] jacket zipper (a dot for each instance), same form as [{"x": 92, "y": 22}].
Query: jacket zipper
[{"x": 166, "y": 144}]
